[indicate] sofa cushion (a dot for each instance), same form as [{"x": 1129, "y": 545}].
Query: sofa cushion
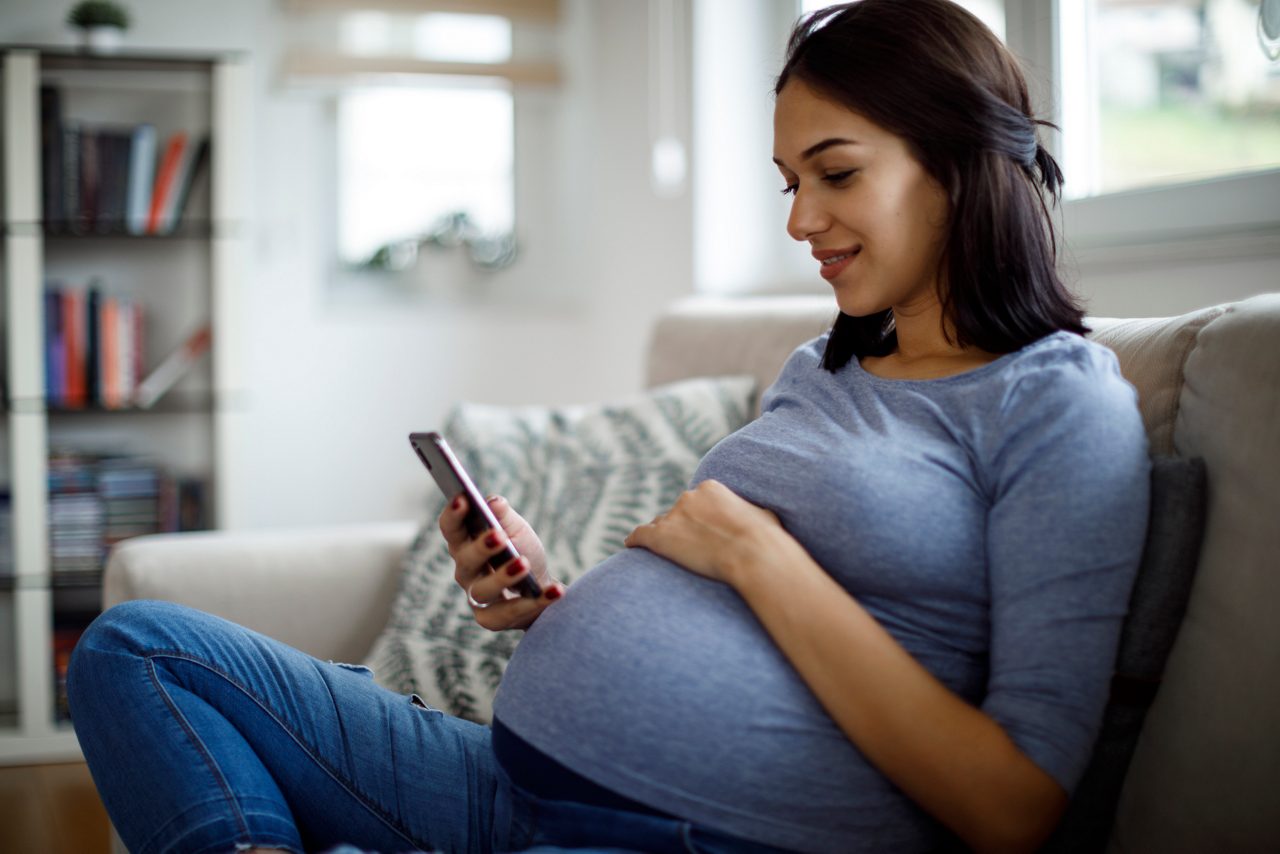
[
  {"x": 1206, "y": 770},
  {"x": 1151, "y": 352},
  {"x": 583, "y": 477},
  {"x": 1156, "y": 608},
  {"x": 709, "y": 336}
]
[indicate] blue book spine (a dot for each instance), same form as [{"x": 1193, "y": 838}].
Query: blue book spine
[
  {"x": 142, "y": 170},
  {"x": 55, "y": 350}
]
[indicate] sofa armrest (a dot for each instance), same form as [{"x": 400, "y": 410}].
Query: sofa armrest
[{"x": 326, "y": 591}]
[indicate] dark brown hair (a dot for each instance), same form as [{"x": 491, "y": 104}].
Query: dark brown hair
[{"x": 931, "y": 73}]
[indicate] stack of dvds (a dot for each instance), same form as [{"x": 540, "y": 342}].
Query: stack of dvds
[
  {"x": 75, "y": 515},
  {"x": 130, "y": 491}
]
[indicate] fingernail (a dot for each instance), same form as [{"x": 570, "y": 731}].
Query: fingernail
[
  {"x": 553, "y": 592},
  {"x": 491, "y": 540},
  {"x": 515, "y": 567},
  {"x": 457, "y": 504}
]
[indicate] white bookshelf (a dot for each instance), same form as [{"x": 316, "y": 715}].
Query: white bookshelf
[{"x": 182, "y": 280}]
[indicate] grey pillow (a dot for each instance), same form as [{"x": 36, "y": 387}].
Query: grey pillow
[
  {"x": 583, "y": 477},
  {"x": 1156, "y": 608}
]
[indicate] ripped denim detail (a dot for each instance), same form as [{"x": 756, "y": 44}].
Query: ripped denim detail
[
  {"x": 415, "y": 700},
  {"x": 355, "y": 668}
]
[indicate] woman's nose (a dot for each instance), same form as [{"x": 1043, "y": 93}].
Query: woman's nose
[{"x": 807, "y": 217}]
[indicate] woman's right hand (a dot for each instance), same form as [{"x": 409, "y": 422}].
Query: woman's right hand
[{"x": 497, "y": 610}]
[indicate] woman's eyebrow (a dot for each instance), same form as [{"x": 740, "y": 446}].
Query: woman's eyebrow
[{"x": 815, "y": 150}]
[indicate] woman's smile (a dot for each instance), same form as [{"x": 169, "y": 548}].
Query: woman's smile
[{"x": 835, "y": 263}]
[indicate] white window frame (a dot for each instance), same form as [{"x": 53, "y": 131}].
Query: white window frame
[{"x": 1232, "y": 216}]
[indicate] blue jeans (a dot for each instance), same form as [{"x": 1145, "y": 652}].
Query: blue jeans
[{"x": 204, "y": 736}]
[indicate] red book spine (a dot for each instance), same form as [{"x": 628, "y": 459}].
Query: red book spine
[
  {"x": 110, "y": 338},
  {"x": 165, "y": 176},
  {"x": 73, "y": 325}
]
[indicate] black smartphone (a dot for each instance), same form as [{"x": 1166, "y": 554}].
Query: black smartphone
[{"x": 453, "y": 481}]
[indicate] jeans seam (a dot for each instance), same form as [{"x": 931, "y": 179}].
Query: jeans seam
[
  {"x": 340, "y": 779},
  {"x": 201, "y": 748}
]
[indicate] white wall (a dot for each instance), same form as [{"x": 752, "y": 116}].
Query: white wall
[{"x": 334, "y": 386}]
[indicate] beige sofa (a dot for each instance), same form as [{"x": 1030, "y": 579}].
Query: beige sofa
[{"x": 1206, "y": 773}]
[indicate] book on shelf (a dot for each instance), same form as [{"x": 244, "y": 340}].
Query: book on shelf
[
  {"x": 70, "y": 179},
  {"x": 94, "y": 348},
  {"x": 51, "y": 161},
  {"x": 114, "y": 178},
  {"x": 173, "y": 368},
  {"x": 114, "y": 160},
  {"x": 142, "y": 160},
  {"x": 174, "y": 152},
  {"x": 6, "y": 533},
  {"x": 189, "y": 166}
]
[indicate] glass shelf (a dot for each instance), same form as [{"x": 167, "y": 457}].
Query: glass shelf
[
  {"x": 79, "y": 580},
  {"x": 60, "y": 231},
  {"x": 67, "y": 58},
  {"x": 173, "y": 403}
]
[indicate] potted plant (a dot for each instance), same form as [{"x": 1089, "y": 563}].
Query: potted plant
[{"x": 101, "y": 23}]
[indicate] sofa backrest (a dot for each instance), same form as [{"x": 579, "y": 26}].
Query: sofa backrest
[{"x": 1206, "y": 772}]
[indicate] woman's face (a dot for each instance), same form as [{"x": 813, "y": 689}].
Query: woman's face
[{"x": 874, "y": 218}]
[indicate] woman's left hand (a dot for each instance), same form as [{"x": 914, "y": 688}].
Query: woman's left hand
[{"x": 710, "y": 530}]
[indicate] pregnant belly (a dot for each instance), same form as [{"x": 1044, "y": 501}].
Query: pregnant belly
[{"x": 657, "y": 683}]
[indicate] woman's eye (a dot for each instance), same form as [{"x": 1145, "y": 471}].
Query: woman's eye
[
  {"x": 790, "y": 189},
  {"x": 839, "y": 177}
]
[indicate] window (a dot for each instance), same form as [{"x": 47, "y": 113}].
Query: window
[
  {"x": 414, "y": 156},
  {"x": 410, "y": 157},
  {"x": 1160, "y": 92},
  {"x": 1190, "y": 207},
  {"x": 423, "y": 97}
]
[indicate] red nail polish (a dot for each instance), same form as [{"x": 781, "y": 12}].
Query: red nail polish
[
  {"x": 457, "y": 504},
  {"x": 515, "y": 567},
  {"x": 553, "y": 593},
  {"x": 491, "y": 540}
]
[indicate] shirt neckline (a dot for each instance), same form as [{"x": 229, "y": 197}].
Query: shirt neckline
[{"x": 963, "y": 376}]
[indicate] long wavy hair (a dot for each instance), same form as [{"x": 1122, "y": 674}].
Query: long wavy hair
[{"x": 932, "y": 74}]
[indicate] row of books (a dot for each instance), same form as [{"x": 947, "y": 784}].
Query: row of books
[
  {"x": 95, "y": 501},
  {"x": 114, "y": 179},
  {"x": 95, "y": 351},
  {"x": 94, "y": 346}
]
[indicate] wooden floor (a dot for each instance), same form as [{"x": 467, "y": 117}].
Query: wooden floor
[{"x": 51, "y": 809}]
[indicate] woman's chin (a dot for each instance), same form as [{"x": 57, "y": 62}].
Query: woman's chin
[{"x": 854, "y": 306}]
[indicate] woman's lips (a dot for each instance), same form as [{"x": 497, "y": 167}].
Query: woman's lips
[{"x": 833, "y": 267}]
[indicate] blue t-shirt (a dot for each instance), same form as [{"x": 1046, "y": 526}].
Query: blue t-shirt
[{"x": 991, "y": 521}]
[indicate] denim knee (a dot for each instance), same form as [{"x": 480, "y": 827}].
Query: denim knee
[{"x": 122, "y": 629}]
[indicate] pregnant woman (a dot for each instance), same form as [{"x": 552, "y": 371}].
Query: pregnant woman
[{"x": 883, "y": 617}]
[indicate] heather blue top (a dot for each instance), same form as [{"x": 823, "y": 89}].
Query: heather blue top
[{"x": 992, "y": 521}]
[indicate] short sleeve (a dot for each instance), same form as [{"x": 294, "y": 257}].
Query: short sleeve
[{"x": 1064, "y": 540}]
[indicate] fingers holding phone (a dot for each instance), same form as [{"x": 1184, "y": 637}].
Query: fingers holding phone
[{"x": 492, "y": 592}]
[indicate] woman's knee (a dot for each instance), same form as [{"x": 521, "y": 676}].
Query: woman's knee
[
  {"x": 125, "y": 630},
  {"x": 128, "y": 624}
]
